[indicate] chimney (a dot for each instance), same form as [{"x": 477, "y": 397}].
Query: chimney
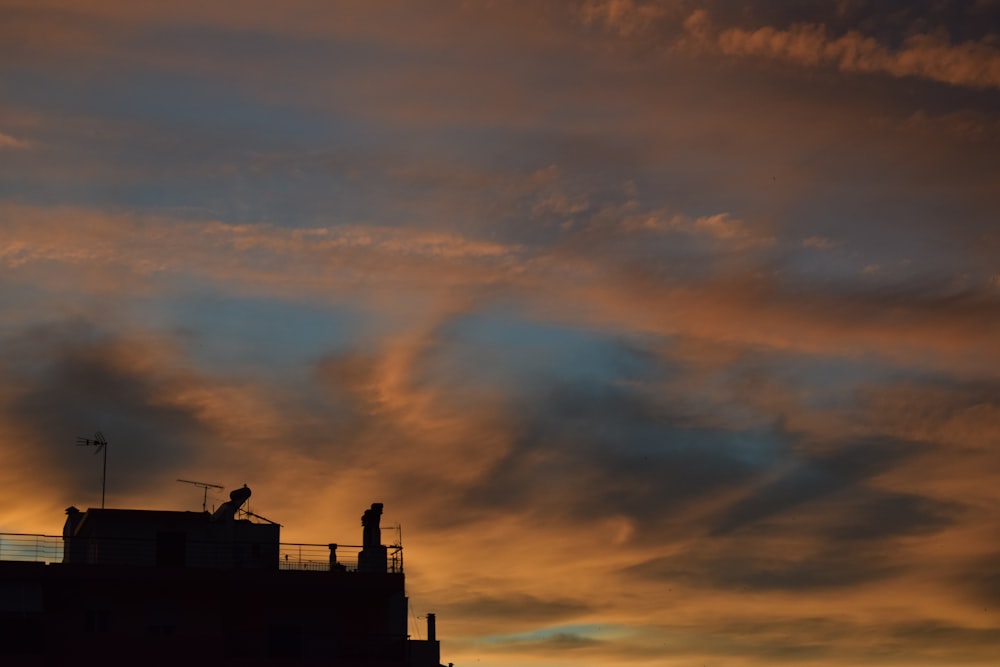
[{"x": 431, "y": 627}]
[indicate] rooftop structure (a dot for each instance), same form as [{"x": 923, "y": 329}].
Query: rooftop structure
[{"x": 160, "y": 587}]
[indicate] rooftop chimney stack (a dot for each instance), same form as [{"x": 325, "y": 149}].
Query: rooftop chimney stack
[
  {"x": 373, "y": 556},
  {"x": 431, "y": 627}
]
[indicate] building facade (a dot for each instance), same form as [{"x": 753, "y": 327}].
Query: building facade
[{"x": 172, "y": 588}]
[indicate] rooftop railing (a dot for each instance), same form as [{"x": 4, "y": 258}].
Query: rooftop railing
[
  {"x": 31, "y": 547},
  {"x": 316, "y": 557},
  {"x": 37, "y": 548}
]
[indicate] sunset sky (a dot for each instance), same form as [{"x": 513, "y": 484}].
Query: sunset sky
[{"x": 668, "y": 330}]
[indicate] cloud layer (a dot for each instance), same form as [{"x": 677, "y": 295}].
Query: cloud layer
[{"x": 666, "y": 331}]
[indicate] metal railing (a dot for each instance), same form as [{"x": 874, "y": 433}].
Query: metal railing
[
  {"x": 316, "y": 557},
  {"x": 28, "y": 547},
  {"x": 31, "y": 547}
]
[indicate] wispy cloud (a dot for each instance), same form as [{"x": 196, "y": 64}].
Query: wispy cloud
[
  {"x": 7, "y": 141},
  {"x": 974, "y": 64},
  {"x": 627, "y": 17},
  {"x": 577, "y": 289}
]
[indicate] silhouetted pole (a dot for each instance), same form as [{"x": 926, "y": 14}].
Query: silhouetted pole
[
  {"x": 104, "y": 475},
  {"x": 99, "y": 442}
]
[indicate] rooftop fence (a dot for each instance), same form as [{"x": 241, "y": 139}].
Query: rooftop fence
[{"x": 36, "y": 548}]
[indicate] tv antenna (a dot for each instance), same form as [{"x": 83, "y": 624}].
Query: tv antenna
[
  {"x": 101, "y": 444},
  {"x": 206, "y": 486}
]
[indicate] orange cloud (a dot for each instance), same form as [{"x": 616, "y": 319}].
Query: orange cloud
[
  {"x": 627, "y": 17},
  {"x": 7, "y": 141},
  {"x": 69, "y": 248},
  {"x": 928, "y": 56},
  {"x": 746, "y": 462}
]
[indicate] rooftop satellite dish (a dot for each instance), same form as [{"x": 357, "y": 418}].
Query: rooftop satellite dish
[
  {"x": 206, "y": 486},
  {"x": 101, "y": 444}
]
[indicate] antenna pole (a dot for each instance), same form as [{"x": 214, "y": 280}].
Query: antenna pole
[
  {"x": 205, "y": 486},
  {"x": 104, "y": 475},
  {"x": 100, "y": 443}
]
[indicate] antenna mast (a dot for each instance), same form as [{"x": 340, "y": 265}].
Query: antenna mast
[
  {"x": 206, "y": 486},
  {"x": 101, "y": 444}
]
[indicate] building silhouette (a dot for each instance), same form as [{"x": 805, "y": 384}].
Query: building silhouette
[{"x": 142, "y": 587}]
